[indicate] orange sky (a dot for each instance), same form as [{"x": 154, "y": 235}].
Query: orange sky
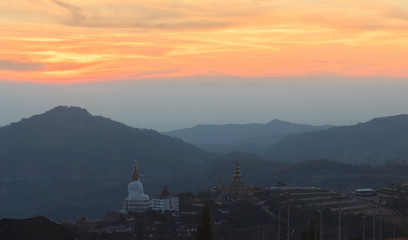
[{"x": 67, "y": 41}]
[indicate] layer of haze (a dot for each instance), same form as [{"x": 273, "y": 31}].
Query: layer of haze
[{"x": 167, "y": 105}]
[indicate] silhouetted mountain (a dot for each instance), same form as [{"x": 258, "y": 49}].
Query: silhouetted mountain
[
  {"x": 254, "y": 138},
  {"x": 70, "y": 142},
  {"x": 375, "y": 142}
]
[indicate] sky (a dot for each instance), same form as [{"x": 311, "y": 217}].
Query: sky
[{"x": 170, "y": 64}]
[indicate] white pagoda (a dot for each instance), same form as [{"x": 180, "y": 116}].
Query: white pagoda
[{"x": 136, "y": 201}]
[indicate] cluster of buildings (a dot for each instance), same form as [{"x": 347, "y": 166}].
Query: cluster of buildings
[
  {"x": 125, "y": 222},
  {"x": 138, "y": 202}
]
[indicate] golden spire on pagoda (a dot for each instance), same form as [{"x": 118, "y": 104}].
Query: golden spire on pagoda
[
  {"x": 135, "y": 175},
  {"x": 237, "y": 173}
]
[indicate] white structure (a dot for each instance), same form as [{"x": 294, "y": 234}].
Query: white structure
[
  {"x": 165, "y": 202},
  {"x": 364, "y": 192},
  {"x": 136, "y": 201}
]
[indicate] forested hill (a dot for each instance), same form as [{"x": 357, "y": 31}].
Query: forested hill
[
  {"x": 70, "y": 142},
  {"x": 377, "y": 141}
]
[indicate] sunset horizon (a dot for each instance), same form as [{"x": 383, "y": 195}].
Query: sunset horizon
[
  {"x": 174, "y": 64},
  {"x": 72, "y": 41}
]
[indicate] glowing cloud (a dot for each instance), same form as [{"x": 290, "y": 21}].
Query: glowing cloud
[{"x": 64, "y": 41}]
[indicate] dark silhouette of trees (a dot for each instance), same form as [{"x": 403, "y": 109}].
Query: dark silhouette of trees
[
  {"x": 311, "y": 233},
  {"x": 204, "y": 229}
]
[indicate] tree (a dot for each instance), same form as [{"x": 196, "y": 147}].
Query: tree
[
  {"x": 311, "y": 233},
  {"x": 204, "y": 229}
]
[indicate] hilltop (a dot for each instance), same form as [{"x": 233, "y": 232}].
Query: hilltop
[
  {"x": 377, "y": 141},
  {"x": 69, "y": 142}
]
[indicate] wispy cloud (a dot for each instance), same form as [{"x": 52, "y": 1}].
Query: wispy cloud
[
  {"x": 77, "y": 16},
  {"x": 259, "y": 38},
  {"x": 20, "y": 66}
]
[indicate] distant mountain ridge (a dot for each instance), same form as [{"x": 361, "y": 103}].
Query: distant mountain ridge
[
  {"x": 226, "y": 133},
  {"x": 70, "y": 142},
  {"x": 254, "y": 137},
  {"x": 377, "y": 141}
]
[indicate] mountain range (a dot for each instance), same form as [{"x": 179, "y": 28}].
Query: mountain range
[
  {"x": 253, "y": 138},
  {"x": 66, "y": 162},
  {"x": 376, "y": 142}
]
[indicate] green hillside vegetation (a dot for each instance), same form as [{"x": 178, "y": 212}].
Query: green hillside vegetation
[
  {"x": 378, "y": 141},
  {"x": 69, "y": 142},
  {"x": 69, "y": 198},
  {"x": 319, "y": 173}
]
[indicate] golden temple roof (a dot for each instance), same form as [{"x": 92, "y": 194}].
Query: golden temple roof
[
  {"x": 135, "y": 175},
  {"x": 237, "y": 173}
]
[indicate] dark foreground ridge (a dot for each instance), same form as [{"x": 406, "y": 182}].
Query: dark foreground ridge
[{"x": 36, "y": 228}]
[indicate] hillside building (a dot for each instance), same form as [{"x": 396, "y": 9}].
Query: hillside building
[
  {"x": 165, "y": 202},
  {"x": 136, "y": 201},
  {"x": 363, "y": 192},
  {"x": 237, "y": 190}
]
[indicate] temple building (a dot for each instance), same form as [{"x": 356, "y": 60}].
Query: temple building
[
  {"x": 237, "y": 190},
  {"x": 136, "y": 201},
  {"x": 165, "y": 202},
  {"x": 237, "y": 186}
]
